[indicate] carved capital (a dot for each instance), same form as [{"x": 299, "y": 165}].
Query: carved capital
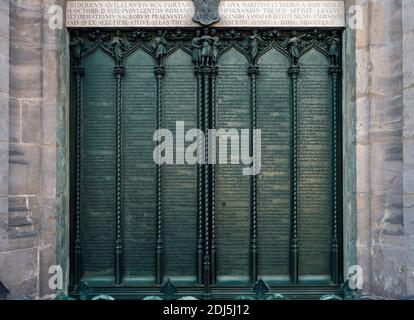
[
  {"x": 79, "y": 71},
  {"x": 206, "y": 70},
  {"x": 334, "y": 71},
  {"x": 294, "y": 71},
  {"x": 198, "y": 70},
  {"x": 119, "y": 71},
  {"x": 159, "y": 71},
  {"x": 253, "y": 70},
  {"x": 214, "y": 71}
]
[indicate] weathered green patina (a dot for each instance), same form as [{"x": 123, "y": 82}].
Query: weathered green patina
[{"x": 211, "y": 230}]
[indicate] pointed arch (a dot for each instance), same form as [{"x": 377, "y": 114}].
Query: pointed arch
[
  {"x": 178, "y": 46},
  {"x": 95, "y": 48},
  {"x": 235, "y": 46},
  {"x": 316, "y": 46},
  {"x": 271, "y": 46},
  {"x": 138, "y": 46}
]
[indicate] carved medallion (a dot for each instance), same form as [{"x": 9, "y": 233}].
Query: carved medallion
[{"x": 206, "y": 11}]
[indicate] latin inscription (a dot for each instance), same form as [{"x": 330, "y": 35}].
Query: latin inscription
[
  {"x": 273, "y": 112},
  {"x": 233, "y": 221},
  {"x": 179, "y": 181},
  {"x": 98, "y": 165},
  {"x": 314, "y": 164},
  {"x": 139, "y": 170},
  {"x": 237, "y": 13},
  {"x": 232, "y": 188}
]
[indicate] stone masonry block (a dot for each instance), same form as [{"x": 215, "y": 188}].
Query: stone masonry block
[{"x": 24, "y": 169}]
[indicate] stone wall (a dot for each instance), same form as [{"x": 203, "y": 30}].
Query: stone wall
[
  {"x": 408, "y": 137},
  {"x": 28, "y": 147},
  {"x": 378, "y": 157},
  {"x": 383, "y": 159}
]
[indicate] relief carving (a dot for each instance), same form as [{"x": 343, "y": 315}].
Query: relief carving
[
  {"x": 159, "y": 46},
  {"x": 206, "y": 11},
  {"x": 206, "y": 45}
]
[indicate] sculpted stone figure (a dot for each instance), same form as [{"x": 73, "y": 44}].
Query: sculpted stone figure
[
  {"x": 254, "y": 43},
  {"x": 216, "y": 45},
  {"x": 118, "y": 48},
  {"x": 334, "y": 48},
  {"x": 293, "y": 45},
  {"x": 206, "y": 50},
  {"x": 78, "y": 47},
  {"x": 159, "y": 45},
  {"x": 196, "y": 44}
]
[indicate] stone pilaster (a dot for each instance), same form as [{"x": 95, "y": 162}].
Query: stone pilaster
[
  {"x": 4, "y": 118},
  {"x": 362, "y": 148},
  {"x": 28, "y": 232},
  {"x": 408, "y": 138}
]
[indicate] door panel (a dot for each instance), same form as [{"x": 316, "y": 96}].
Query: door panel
[
  {"x": 179, "y": 191},
  {"x": 314, "y": 166},
  {"x": 98, "y": 164},
  {"x": 232, "y": 187},
  {"x": 273, "y": 205},
  {"x": 139, "y": 170}
]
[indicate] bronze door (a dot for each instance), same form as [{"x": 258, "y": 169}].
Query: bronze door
[{"x": 141, "y": 229}]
